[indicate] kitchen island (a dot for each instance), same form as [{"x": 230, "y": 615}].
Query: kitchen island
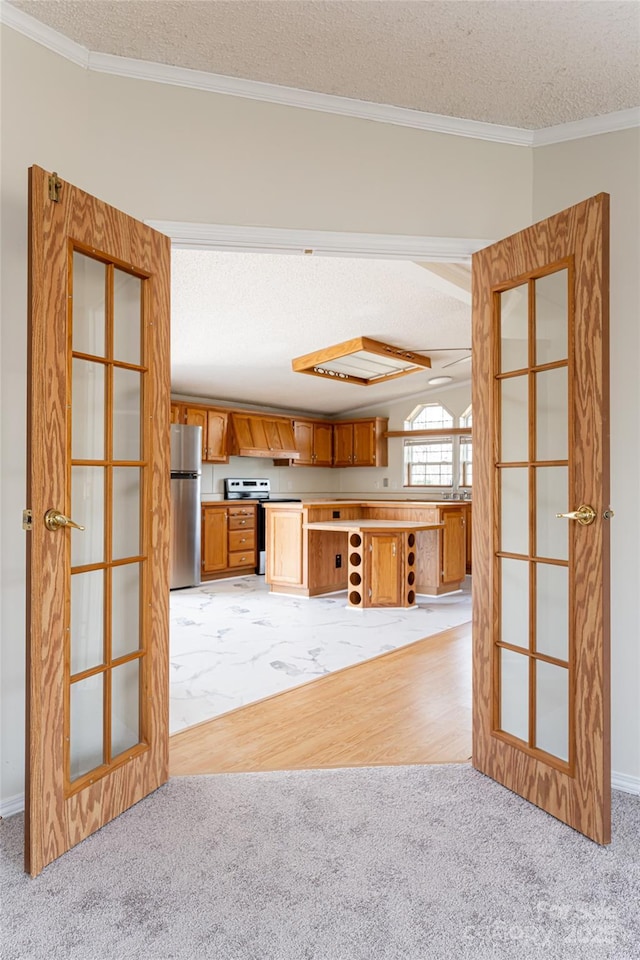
[
  {"x": 382, "y": 558},
  {"x": 306, "y": 557}
]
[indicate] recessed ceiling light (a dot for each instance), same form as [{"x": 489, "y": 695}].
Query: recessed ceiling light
[{"x": 438, "y": 381}]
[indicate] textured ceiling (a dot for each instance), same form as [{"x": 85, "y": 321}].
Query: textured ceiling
[
  {"x": 239, "y": 319},
  {"x": 526, "y": 64}
]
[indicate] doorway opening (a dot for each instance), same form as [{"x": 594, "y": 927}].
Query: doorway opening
[{"x": 233, "y": 286}]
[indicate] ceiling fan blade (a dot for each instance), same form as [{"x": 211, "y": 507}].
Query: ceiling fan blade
[
  {"x": 453, "y": 362},
  {"x": 442, "y": 349}
]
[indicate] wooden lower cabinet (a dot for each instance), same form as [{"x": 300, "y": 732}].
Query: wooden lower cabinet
[
  {"x": 440, "y": 560},
  {"x": 214, "y": 540},
  {"x": 312, "y": 562},
  {"x": 383, "y": 569},
  {"x": 284, "y": 548},
  {"x": 454, "y": 545},
  {"x": 469, "y": 535},
  {"x": 228, "y": 540}
]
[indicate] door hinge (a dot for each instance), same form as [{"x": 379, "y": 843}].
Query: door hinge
[
  {"x": 27, "y": 520},
  {"x": 55, "y": 186}
]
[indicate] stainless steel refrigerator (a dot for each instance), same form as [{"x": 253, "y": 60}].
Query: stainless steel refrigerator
[{"x": 186, "y": 446}]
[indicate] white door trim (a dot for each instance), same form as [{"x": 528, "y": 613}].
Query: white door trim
[{"x": 223, "y": 237}]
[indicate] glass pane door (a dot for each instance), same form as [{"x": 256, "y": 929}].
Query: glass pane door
[
  {"x": 533, "y": 651},
  {"x": 108, "y": 482}
]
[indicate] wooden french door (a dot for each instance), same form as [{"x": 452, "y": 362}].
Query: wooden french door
[
  {"x": 98, "y": 493},
  {"x": 541, "y": 515}
]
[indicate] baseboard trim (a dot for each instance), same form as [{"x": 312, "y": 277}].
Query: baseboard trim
[
  {"x": 619, "y": 781},
  {"x": 12, "y": 805},
  {"x": 625, "y": 783}
]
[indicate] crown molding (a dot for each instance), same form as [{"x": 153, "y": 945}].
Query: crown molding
[
  {"x": 42, "y": 34},
  {"x": 308, "y": 99},
  {"x": 221, "y": 237},
  {"x": 589, "y": 127}
]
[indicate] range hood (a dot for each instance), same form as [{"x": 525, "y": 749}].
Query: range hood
[{"x": 259, "y": 435}]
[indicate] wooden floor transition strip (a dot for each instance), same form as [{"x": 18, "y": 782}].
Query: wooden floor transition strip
[{"x": 411, "y": 705}]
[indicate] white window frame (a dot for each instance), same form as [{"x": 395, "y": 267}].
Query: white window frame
[{"x": 457, "y": 465}]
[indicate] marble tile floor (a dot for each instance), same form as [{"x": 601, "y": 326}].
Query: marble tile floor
[{"x": 232, "y": 642}]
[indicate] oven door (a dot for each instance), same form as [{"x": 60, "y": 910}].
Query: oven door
[{"x": 261, "y": 540}]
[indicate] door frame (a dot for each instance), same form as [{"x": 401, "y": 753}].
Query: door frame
[{"x": 188, "y": 235}]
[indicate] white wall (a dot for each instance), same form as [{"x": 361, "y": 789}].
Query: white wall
[
  {"x": 564, "y": 174},
  {"x": 163, "y": 153}
]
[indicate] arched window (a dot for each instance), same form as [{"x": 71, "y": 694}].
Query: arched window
[
  {"x": 429, "y": 416},
  {"x": 429, "y": 460},
  {"x": 434, "y": 461}
]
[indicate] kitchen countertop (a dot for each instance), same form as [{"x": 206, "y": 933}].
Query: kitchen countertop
[
  {"x": 366, "y": 526},
  {"x": 228, "y": 503},
  {"x": 365, "y": 502}
]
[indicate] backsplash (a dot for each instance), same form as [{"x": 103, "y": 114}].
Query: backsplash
[{"x": 349, "y": 483}]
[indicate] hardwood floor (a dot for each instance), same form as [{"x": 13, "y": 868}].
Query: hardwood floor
[{"x": 412, "y": 705}]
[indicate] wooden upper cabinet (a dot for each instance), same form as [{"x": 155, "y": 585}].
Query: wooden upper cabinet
[
  {"x": 364, "y": 443},
  {"x": 178, "y": 413},
  {"x": 303, "y": 432},
  {"x": 217, "y": 436},
  {"x": 214, "y": 425},
  {"x": 360, "y": 443},
  {"x": 197, "y": 417},
  {"x": 314, "y": 441},
  {"x": 280, "y": 436},
  {"x": 322, "y": 444},
  {"x": 302, "y": 442},
  {"x": 343, "y": 444}
]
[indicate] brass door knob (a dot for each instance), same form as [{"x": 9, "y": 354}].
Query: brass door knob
[
  {"x": 585, "y": 515},
  {"x": 53, "y": 520}
]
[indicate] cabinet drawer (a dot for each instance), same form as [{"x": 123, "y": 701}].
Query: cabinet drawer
[
  {"x": 241, "y": 540},
  {"x": 241, "y": 523},
  {"x": 242, "y": 511},
  {"x": 246, "y": 558}
]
